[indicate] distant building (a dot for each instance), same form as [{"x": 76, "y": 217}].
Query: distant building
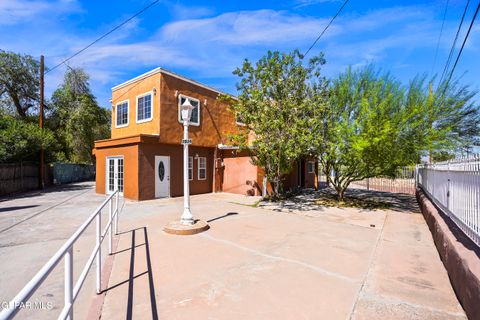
[{"x": 144, "y": 159}]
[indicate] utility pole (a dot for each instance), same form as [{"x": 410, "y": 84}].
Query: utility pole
[
  {"x": 42, "y": 155},
  {"x": 430, "y": 105}
]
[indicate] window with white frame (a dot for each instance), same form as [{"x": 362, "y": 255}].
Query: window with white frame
[
  {"x": 311, "y": 167},
  {"x": 202, "y": 168},
  {"x": 195, "y": 118},
  {"x": 122, "y": 114},
  {"x": 144, "y": 107},
  {"x": 190, "y": 168},
  {"x": 239, "y": 120}
]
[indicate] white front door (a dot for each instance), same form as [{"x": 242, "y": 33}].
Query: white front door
[
  {"x": 162, "y": 176},
  {"x": 114, "y": 179}
]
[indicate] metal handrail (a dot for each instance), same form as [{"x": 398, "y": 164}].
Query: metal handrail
[{"x": 71, "y": 292}]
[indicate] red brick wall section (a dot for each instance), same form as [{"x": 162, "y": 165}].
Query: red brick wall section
[{"x": 459, "y": 254}]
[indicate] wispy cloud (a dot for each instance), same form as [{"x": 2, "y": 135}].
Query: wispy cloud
[
  {"x": 306, "y": 3},
  {"x": 15, "y": 11}
]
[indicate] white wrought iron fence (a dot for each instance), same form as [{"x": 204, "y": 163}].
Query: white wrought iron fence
[
  {"x": 71, "y": 288},
  {"x": 454, "y": 186},
  {"x": 404, "y": 182}
]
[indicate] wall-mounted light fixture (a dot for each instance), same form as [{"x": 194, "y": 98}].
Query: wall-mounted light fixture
[
  {"x": 196, "y": 155},
  {"x": 154, "y": 91},
  {"x": 176, "y": 93},
  {"x": 205, "y": 102}
]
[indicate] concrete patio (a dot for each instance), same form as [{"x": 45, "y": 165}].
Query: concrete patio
[{"x": 256, "y": 263}]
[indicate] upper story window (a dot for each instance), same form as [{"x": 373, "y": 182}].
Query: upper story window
[
  {"x": 195, "y": 119},
  {"x": 144, "y": 107},
  {"x": 238, "y": 120},
  {"x": 121, "y": 114}
]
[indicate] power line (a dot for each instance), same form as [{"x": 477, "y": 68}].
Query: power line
[
  {"x": 452, "y": 49},
  {"x": 464, "y": 41},
  {"x": 325, "y": 29},
  {"x": 440, "y": 35},
  {"x": 104, "y": 35}
]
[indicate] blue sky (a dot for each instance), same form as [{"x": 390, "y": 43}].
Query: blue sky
[{"x": 206, "y": 41}]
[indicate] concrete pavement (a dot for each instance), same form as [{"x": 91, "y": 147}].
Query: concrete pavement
[{"x": 259, "y": 264}]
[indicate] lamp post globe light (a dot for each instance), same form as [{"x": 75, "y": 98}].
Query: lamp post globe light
[
  {"x": 186, "y": 112},
  {"x": 186, "y": 225}
]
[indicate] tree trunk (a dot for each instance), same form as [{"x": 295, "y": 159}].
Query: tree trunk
[{"x": 16, "y": 101}]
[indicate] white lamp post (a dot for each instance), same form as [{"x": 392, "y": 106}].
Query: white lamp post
[
  {"x": 186, "y": 112},
  {"x": 186, "y": 225}
]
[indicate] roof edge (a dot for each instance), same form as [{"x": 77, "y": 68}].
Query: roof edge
[{"x": 170, "y": 73}]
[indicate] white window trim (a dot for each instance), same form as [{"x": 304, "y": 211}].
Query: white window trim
[
  {"x": 116, "y": 114},
  {"x": 198, "y": 169},
  {"x": 313, "y": 167},
  {"x": 190, "y": 158},
  {"x": 239, "y": 122},
  {"x": 107, "y": 171},
  {"x": 180, "y": 96},
  {"x": 149, "y": 93}
]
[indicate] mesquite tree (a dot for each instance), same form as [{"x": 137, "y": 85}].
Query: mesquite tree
[
  {"x": 273, "y": 106},
  {"x": 361, "y": 131}
]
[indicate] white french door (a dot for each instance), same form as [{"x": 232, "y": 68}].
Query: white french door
[{"x": 115, "y": 170}]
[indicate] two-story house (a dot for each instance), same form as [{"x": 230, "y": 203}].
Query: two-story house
[{"x": 144, "y": 159}]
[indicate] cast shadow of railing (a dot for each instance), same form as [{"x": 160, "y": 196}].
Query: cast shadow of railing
[{"x": 131, "y": 276}]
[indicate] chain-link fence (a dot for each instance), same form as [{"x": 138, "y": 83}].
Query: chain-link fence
[{"x": 70, "y": 172}]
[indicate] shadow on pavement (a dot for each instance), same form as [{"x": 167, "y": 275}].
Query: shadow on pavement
[
  {"x": 77, "y": 186},
  {"x": 221, "y": 217},
  {"x": 131, "y": 277},
  {"x": 311, "y": 200},
  {"x": 7, "y": 209}
]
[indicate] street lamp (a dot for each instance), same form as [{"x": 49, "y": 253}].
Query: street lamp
[
  {"x": 186, "y": 112},
  {"x": 186, "y": 225}
]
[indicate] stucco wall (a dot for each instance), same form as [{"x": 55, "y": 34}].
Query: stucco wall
[
  {"x": 130, "y": 154},
  {"x": 130, "y": 93},
  {"x": 147, "y": 153},
  {"x": 240, "y": 176},
  {"x": 216, "y": 121}
]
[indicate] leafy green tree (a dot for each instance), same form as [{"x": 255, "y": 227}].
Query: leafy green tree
[
  {"x": 76, "y": 117},
  {"x": 22, "y": 140},
  {"x": 361, "y": 132},
  {"x": 272, "y": 105},
  {"x": 449, "y": 116},
  {"x": 19, "y": 83}
]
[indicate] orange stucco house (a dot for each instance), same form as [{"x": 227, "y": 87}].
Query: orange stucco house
[{"x": 143, "y": 157}]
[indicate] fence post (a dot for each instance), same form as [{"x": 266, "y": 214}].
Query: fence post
[
  {"x": 110, "y": 221},
  {"x": 99, "y": 253},
  {"x": 448, "y": 193},
  {"x": 116, "y": 212},
  {"x": 68, "y": 296},
  {"x": 368, "y": 183}
]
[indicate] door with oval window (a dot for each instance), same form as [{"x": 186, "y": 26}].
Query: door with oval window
[{"x": 162, "y": 176}]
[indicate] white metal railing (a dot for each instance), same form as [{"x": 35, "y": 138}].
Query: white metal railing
[
  {"x": 454, "y": 186},
  {"x": 66, "y": 252},
  {"x": 404, "y": 182}
]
